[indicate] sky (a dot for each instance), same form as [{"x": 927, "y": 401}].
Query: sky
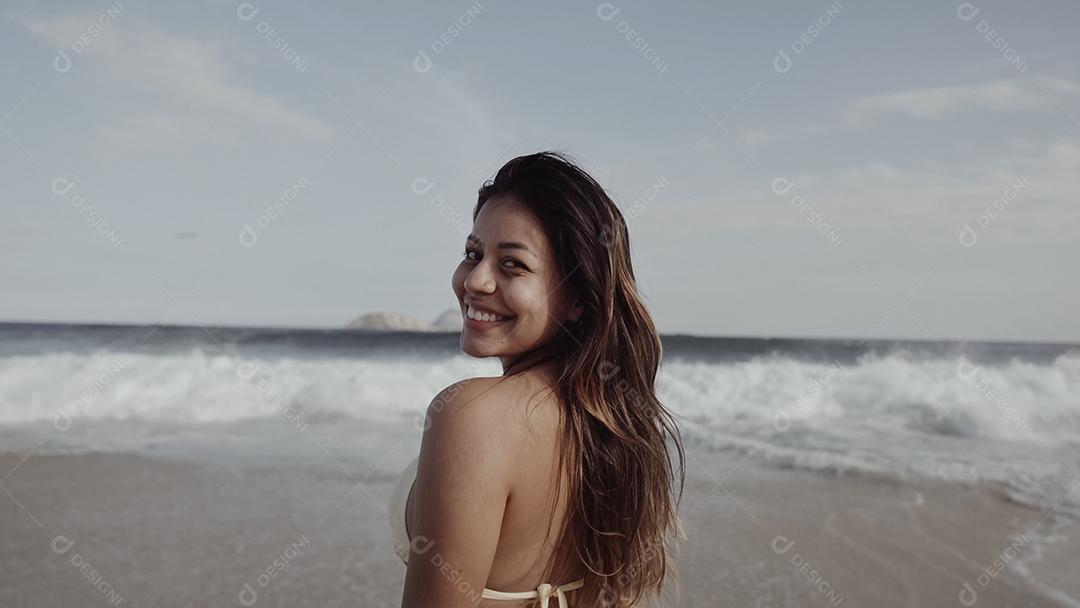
[{"x": 802, "y": 169}]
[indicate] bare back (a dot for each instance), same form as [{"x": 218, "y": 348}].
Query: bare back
[{"x": 525, "y": 406}]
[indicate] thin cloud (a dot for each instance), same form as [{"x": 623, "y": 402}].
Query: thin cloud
[
  {"x": 185, "y": 70},
  {"x": 921, "y": 199},
  {"x": 1017, "y": 95},
  {"x": 931, "y": 198}
]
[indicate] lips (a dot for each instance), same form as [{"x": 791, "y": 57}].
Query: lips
[{"x": 484, "y": 308}]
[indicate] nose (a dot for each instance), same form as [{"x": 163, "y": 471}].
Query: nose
[{"x": 479, "y": 279}]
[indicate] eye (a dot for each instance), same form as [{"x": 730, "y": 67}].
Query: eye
[
  {"x": 467, "y": 252},
  {"x": 519, "y": 264}
]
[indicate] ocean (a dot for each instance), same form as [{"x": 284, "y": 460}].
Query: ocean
[{"x": 1004, "y": 413}]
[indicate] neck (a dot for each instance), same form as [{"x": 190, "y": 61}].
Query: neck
[{"x": 524, "y": 361}]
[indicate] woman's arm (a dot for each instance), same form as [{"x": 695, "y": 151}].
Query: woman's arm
[{"x": 462, "y": 485}]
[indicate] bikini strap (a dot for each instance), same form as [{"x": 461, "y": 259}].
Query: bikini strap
[{"x": 545, "y": 592}]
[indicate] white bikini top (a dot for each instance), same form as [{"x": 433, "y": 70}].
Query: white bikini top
[{"x": 395, "y": 508}]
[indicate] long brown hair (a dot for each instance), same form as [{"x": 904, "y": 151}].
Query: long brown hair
[{"x": 624, "y": 508}]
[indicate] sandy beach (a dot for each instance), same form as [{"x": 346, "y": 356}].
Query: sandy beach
[{"x": 120, "y": 529}]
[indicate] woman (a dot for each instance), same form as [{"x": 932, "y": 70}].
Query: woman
[{"x": 552, "y": 483}]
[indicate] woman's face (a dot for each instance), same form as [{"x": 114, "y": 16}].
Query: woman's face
[{"x": 509, "y": 269}]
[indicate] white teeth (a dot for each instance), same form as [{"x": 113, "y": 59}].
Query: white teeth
[{"x": 479, "y": 315}]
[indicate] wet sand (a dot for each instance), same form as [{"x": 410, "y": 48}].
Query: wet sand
[{"x": 127, "y": 530}]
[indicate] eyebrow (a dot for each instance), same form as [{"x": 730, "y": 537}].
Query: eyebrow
[{"x": 505, "y": 245}]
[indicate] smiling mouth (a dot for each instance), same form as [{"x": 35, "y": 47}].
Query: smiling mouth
[{"x": 479, "y": 318}]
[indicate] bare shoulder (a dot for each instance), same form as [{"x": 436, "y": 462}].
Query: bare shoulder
[
  {"x": 464, "y": 455},
  {"x": 493, "y": 411},
  {"x": 460, "y": 396}
]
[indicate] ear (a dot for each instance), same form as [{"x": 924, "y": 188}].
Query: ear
[{"x": 575, "y": 312}]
